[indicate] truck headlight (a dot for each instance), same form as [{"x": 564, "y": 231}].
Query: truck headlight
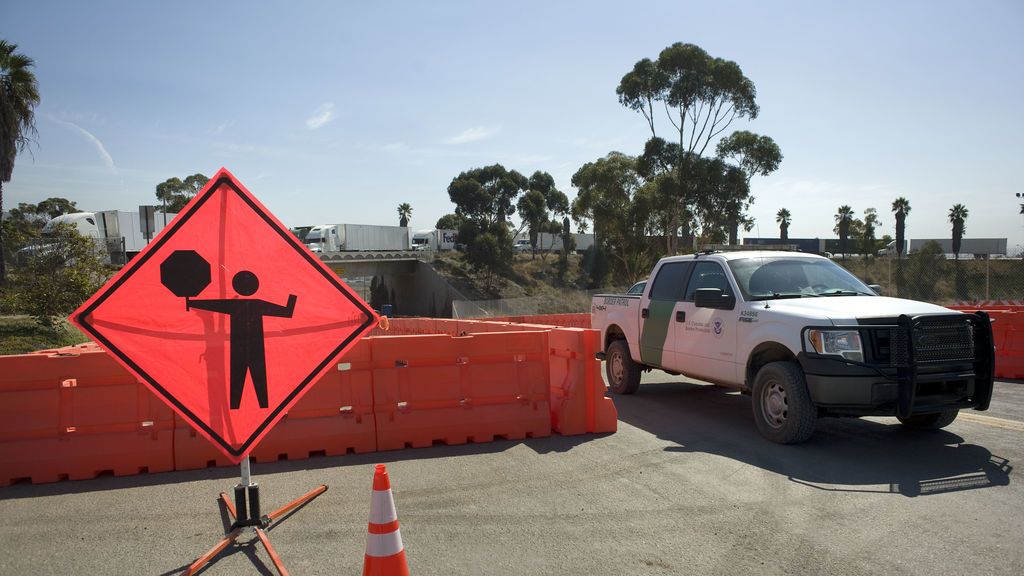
[{"x": 844, "y": 343}]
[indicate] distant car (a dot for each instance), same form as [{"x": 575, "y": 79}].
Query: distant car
[
  {"x": 637, "y": 289},
  {"x": 522, "y": 246}
]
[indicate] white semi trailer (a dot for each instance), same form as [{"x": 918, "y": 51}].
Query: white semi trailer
[
  {"x": 435, "y": 239},
  {"x": 357, "y": 238},
  {"x": 121, "y": 234}
]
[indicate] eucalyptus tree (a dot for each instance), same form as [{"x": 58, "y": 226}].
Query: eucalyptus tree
[
  {"x": 24, "y": 223},
  {"x": 783, "y": 218},
  {"x": 957, "y": 215},
  {"x": 755, "y": 155},
  {"x": 900, "y": 208},
  {"x": 174, "y": 192},
  {"x": 448, "y": 222},
  {"x": 533, "y": 210},
  {"x": 484, "y": 198},
  {"x": 868, "y": 231},
  {"x": 19, "y": 96},
  {"x": 701, "y": 96},
  {"x": 615, "y": 198},
  {"x": 541, "y": 205}
]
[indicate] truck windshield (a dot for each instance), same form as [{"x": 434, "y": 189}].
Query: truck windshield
[{"x": 786, "y": 277}]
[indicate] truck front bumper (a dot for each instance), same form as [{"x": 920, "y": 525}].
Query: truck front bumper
[{"x": 916, "y": 380}]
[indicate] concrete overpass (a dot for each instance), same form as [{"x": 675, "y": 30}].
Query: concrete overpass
[{"x": 416, "y": 289}]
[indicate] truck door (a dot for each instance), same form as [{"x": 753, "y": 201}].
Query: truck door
[
  {"x": 705, "y": 338},
  {"x": 657, "y": 310}
]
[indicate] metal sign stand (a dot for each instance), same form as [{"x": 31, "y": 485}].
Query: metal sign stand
[{"x": 245, "y": 513}]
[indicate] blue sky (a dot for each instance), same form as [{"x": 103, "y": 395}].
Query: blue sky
[{"x": 337, "y": 112}]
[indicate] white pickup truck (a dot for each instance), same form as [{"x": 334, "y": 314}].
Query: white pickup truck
[{"x": 801, "y": 335}]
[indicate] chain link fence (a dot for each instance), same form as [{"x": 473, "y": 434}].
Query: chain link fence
[
  {"x": 565, "y": 302},
  {"x": 934, "y": 278},
  {"x": 926, "y": 277}
]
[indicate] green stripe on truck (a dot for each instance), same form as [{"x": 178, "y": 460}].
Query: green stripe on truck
[{"x": 655, "y": 331}]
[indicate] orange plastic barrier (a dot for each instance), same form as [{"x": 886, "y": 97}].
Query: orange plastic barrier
[
  {"x": 1009, "y": 356},
  {"x": 192, "y": 451},
  {"x": 74, "y": 414},
  {"x": 455, "y": 390},
  {"x": 578, "y": 404},
  {"x": 333, "y": 418},
  {"x": 1008, "y": 336},
  {"x": 576, "y": 320}
]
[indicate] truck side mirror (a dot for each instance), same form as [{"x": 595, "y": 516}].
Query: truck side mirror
[
  {"x": 713, "y": 298},
  {"x": 877, "y": 289}
]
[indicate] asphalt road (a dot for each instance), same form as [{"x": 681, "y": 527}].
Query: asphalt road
[{"x": 686, "y": 486}]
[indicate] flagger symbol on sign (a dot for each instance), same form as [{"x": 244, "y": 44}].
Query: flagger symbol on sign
[{"x": 186, "y": 274}]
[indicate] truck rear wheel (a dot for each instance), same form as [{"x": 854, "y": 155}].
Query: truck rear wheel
[
  {"x": 930, "y": 421},
  {"x": 783, "y": 410},
  {"x": 623, "y": 374}
]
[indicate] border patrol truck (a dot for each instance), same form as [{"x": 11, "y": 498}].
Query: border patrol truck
[{"x": 802, "y": 336}]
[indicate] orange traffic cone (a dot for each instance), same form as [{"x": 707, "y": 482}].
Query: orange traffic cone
[{"x": 385, "y": 555}]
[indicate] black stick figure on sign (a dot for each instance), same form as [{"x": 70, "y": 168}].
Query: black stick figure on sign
[{"x": 185, "y": 276}]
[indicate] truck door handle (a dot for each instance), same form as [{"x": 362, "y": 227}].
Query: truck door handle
[
  {"x": 645, "y": 313},
  {"x": 681, "y": 316}
]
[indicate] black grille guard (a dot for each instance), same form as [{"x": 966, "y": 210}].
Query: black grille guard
[{"x": 908, "y": 352}]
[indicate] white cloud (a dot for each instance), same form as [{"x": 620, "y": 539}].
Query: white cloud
[
  {"x": 473, "y": 134},
  {"x": 105, "y": 156},
  {"x": 220, "y": 128},
  {"x": 322, "y": 115}
]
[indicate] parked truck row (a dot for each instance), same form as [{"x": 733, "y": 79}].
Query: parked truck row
[{"x": 119, "y": 234}]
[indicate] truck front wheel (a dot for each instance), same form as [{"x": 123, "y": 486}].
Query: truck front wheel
[
  {"x": 930, "y": 421},
  {"x": 623, "y": 374},
  {"x": 783, "y": 410}
]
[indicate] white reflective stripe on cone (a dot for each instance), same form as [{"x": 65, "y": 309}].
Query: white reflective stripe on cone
[
  {"x": 382, "y": 507},
  {"x": 384, "y": 545}
]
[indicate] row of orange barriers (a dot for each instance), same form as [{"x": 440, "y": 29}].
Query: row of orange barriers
[
  {"x": 75, "y": 413},
  {"x": 575, "y": 320},
  {"x": 1008, "y": 335}
]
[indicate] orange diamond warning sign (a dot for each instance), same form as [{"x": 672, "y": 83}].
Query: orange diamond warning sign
[{"x": 226, "y": 316}]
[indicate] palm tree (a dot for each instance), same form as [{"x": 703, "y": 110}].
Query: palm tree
[
  {"x": 404, "y": 214},
  {"x": 843, "y": 218},
  {"x": 957, "y": 215},
  {"x": 900, "y": 207},
  {"x": 782, "y": 217},
  {"x": 19, "y": 95}
]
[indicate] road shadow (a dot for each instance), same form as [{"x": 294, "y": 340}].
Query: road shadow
[
  {"x": 545, "y": 445},
  {"x": 845, "y": 454}
]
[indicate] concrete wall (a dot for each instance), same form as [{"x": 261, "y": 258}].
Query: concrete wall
[{"x": 417, "y": 288}]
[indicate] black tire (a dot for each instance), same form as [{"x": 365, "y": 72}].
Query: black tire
[
  {"x": 930, "y": 421},
  {"x": 622, "y": 372},
  {"x": 783, "y": 410}
]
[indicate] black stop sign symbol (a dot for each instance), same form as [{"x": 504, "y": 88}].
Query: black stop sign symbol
[{"x": 185, "y": 273}]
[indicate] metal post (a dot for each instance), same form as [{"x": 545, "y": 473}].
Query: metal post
[
  {"x": 246, "y": 475},
  {"x": 241, "y": 502},
  {"x": 986, "y": 278}
]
